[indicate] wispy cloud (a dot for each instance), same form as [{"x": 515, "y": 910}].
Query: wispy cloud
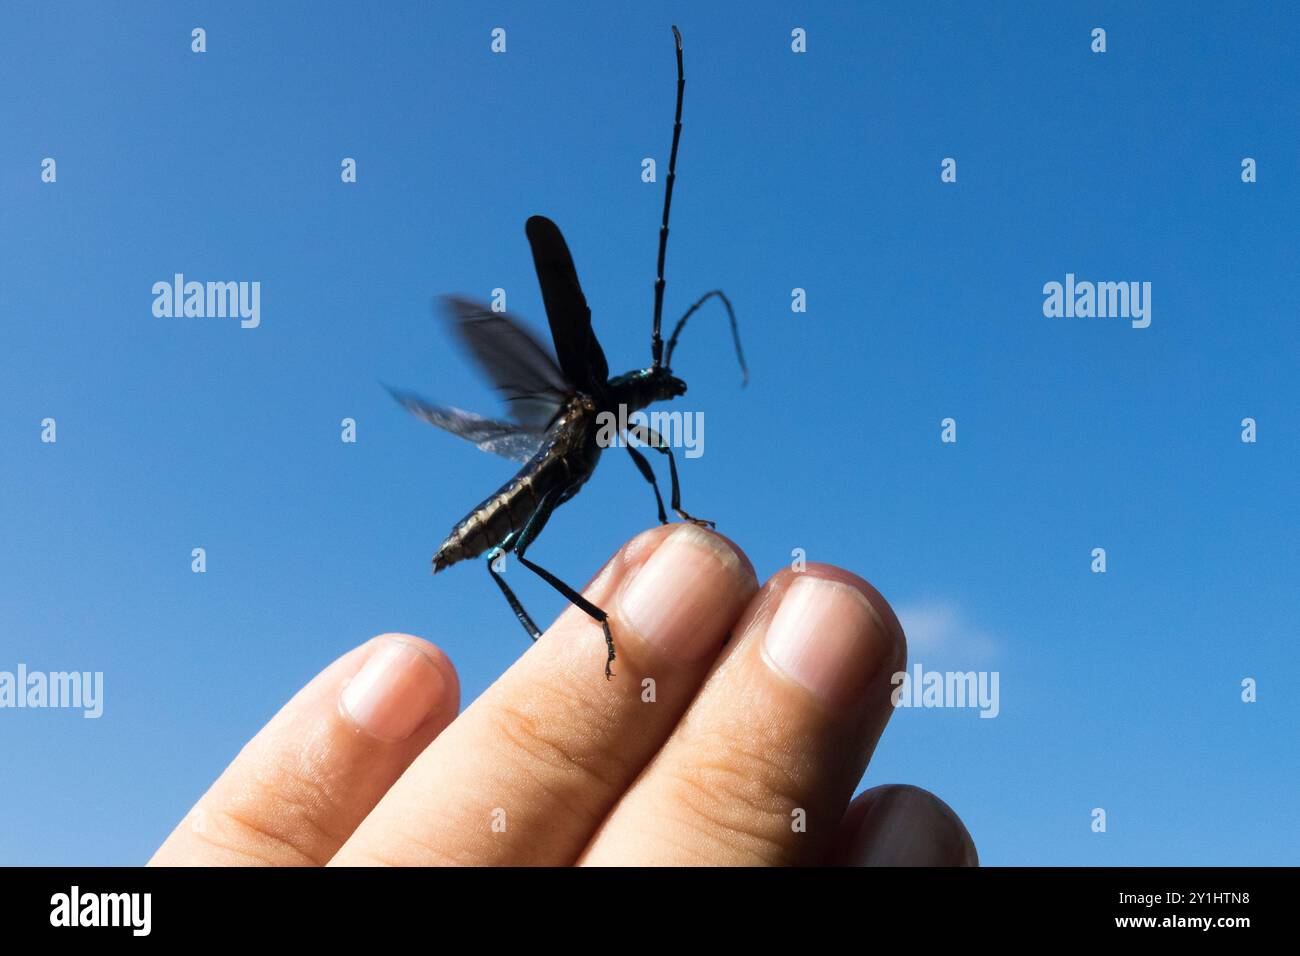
[{"x": 941, "y": 631}]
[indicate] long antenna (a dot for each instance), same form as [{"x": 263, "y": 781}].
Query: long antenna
[
  {"x": 656, "y": 342},
  {"x": 735, "y": 332}
]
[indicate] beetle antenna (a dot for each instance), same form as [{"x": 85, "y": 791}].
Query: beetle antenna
[
  {"x": 735, "y": 332},
  {"x": 656, "y": 342}
]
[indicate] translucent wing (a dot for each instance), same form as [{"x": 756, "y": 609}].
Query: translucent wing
[
  {"x": 508, "y": 439},
  {"x": 581, "y": 356},
  {"x": 520, "y": 366}
]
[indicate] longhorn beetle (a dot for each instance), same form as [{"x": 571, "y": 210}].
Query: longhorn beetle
[{"x": 554, "y": 407}]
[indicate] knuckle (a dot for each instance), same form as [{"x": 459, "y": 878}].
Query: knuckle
[
  {"x": 243, "y": 831},
  {"x": 742, "y": 794},
  {"x": 412, "y": 851},
  {"x": 279, "y": 817},
  {"x": 560, "y": 741}
]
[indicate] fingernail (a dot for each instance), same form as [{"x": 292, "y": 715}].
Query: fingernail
[
  {"x": 908, "y": 826},
  {"x": 679, "y": 598},
  {"x": 826, "y": 636},
  {"x": 395, "y": 692}
]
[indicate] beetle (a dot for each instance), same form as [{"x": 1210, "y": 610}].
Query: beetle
[{"x": 555, "y": 404}]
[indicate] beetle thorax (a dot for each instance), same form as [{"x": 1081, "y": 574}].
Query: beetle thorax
[{"x": 645, "y": 386}]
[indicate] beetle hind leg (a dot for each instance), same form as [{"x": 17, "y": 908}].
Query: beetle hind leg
[
  {"x": 513, "y": 601},
  {"x": 595, "y": 613},
  {"x": 518, "y": 543},
  {"x": 537, "y": 521}
]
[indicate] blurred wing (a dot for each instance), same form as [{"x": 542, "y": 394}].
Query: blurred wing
[
  {"x": 520, "y": 366},
  {"x": 580, "y": 354},
  {"x": 508, "y": 439}
]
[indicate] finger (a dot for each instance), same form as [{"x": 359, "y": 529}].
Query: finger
[
  {"x": 899, "y": 825},
  {"x": 301, "y": 786},
  {"x": 526, "y": 774},
  {"x": 762, "y": 765}
]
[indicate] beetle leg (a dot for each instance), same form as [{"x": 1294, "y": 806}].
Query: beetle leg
[
  {"x": 649, "y": 474},
  {"x": 534, "y": 525},
  {"x": 653, "y": 439},
  {"x": 513, "y": 601}
]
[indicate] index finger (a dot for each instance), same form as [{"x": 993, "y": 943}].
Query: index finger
[{"x": 527, "y": 773}]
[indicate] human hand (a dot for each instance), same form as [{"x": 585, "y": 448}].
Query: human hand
[{"x": 700, "y": 751}]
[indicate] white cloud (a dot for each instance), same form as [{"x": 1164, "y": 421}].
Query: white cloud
[{"x": 939, "y": 630}]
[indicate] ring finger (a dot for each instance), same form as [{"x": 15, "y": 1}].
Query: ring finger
[{"x": 762, "y": 765}]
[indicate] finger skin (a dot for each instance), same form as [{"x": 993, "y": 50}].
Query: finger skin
[
  {"x": 762, "y": 765},
  {"x": 296, "y": 792},
  {"x": 525, "y": 775},
  {"x": 902, "y": 825}
]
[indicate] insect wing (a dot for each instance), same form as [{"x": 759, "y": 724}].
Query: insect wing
[
  {"x": 508, "y": 439},
  {"x": 520, "y": 366},
  {"x": 581, "y": 357}
]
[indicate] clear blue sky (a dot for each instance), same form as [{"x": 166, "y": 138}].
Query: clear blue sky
[{"x": 818, "y": 171}]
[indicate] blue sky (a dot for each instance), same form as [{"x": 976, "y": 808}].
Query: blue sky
[{"x": 819, "y": 171}]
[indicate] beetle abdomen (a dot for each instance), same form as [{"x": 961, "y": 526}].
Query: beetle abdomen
[
  {"x": 561, "y": 465},
  {"x": 492, "y": 522}
]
